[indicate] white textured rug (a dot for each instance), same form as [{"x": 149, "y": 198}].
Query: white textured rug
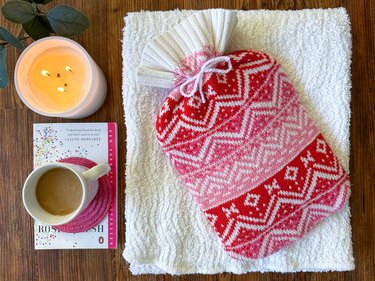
[{"x": 165, "y": 230}]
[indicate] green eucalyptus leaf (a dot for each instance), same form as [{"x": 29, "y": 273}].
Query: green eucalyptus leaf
[
  {"x": 3, "y": 69},
  {"x": 6, "y": 36},
  {"x": 36, "y": 29},
  {"x": 67, "y": 21},
  {"x": 18, "y": 11},
  {"x": 44, "y": 20}
]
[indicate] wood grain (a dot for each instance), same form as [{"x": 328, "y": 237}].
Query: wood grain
[{"x": 18, "y": 260}]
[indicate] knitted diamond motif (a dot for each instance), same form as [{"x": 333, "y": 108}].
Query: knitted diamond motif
[{"x": 250, "y": 155}]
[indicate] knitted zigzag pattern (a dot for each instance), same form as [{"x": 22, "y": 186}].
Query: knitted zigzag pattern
[{"x": 251, "y": 156}]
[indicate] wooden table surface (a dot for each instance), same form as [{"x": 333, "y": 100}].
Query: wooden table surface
[{"x": 18, "y": 259}]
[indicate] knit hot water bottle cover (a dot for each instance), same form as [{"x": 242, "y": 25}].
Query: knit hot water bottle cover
[{"x": 236, "y": 132}]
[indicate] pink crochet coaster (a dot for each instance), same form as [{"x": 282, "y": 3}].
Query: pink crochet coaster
[{"x": 98, "y": 207}]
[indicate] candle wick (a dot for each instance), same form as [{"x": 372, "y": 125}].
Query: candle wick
[
  {"x": 58, "y": 75},
  {"x": 45, "y": 73}
]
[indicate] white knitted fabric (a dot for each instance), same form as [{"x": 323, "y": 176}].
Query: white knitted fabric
[
  {"x": 165, "y": 230},
  {"x": 162, "y": 56}
]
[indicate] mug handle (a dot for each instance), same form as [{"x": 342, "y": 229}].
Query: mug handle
[{"x": 96, "y": 172}]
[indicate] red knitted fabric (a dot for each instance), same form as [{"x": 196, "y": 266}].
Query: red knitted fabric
[{"x": 251, "y": 156}]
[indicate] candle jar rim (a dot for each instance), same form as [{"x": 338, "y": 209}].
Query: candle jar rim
[{"x": 91, "y": 73}]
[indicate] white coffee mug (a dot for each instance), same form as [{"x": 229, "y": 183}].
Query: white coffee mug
[{"x": 88, "y": 179}]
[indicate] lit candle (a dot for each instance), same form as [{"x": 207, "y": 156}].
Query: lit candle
[{"x": 55, "y": 76}]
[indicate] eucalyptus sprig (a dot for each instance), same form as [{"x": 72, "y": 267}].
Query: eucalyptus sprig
[{"x": 36, "y": 23}]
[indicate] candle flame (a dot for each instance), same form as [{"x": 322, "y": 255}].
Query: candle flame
[
  {"x": 61, "y": 89},
  {"x": 68, "y": 68},
  {"x": 45, "y": 73}
]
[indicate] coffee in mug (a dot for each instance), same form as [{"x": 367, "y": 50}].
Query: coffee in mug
[
  {"x": 59, "y": 191},
  {"x": 56, "y": 193}
]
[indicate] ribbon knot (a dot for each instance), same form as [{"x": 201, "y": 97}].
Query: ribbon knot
[{"x": 207, "y": 67}]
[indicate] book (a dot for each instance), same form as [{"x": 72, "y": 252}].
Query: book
[{"x": 94, "y": 141}]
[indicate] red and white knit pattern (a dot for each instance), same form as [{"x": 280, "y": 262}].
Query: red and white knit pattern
[{"x": 251, "y": 156}]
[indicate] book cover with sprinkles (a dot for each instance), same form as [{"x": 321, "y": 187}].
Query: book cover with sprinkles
[{"x": 63, "y": 141}]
